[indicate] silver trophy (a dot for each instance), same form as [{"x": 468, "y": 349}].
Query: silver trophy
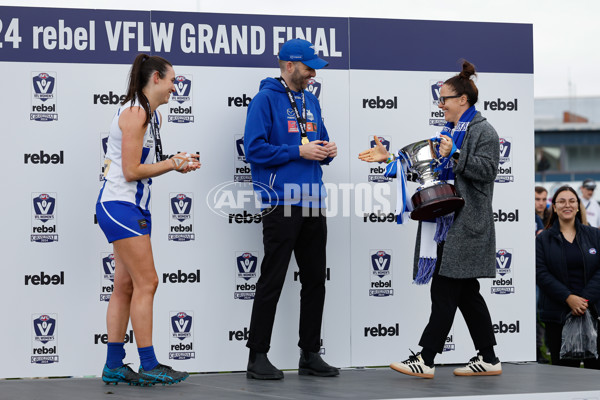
[{"x": 433, "y": 197}]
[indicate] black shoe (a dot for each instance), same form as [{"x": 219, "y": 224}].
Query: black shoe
[
  {"x": 313, "y": 364},
  {"x": 161, "y": 374},
  {"x": 259, "y": 367}
]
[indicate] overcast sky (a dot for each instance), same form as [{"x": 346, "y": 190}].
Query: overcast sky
[{"x": 566, "y": 59}]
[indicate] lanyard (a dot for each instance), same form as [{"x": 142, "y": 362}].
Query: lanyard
[
  {"x": 301, "y": 120},
  {"x": 156, "y": 134}
]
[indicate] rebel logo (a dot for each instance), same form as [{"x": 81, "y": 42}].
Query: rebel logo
[
  {"x": 239, "y": 335},
  {"x": 245, "y": 218},
  {"x": 110, "y": 98},
  {"x": 103, "y": 338},
  {"x": 45, "y": 158},
  {"x": 379, "y": 217},
  {"x": 243, "y": 101},
  {"x": 327, "y": 275},
  {"x": 501, "y": 105},
  {"x": 502, "y": 327},
  {"x": 380, "y": 103},
  {"x": 45, "y": 279},
  {"x": 182, "y": 277},
  {"x": 381, "y": 330},
  {"x": 508, "y": 216}
]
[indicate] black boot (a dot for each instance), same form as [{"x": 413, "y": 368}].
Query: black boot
[
  {"x": 259, "y": 367},
  {"x": 313, "y": 364}
]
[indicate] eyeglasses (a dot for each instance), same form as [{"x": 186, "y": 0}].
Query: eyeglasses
[
  {"x": 443, "y": 98},
  {"x": 563, "y": 202}
]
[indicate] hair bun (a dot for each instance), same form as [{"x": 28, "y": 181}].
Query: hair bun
[{"x": 468, "y": 70}]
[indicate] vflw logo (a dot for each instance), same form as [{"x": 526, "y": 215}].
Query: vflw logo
[
  {"x": 503, "y": 261},
  {"x": 246, "y": 264},
  {"x": 44, "y": 332},
  {"x": 181, "y": 227},
  {"x": 181, "y": 342},
  {"x": 181, "y": 206},
  {"x": 381, "y": 263}
]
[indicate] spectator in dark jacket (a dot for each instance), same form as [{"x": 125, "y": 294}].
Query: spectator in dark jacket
[{"x": 567, "y": 270}]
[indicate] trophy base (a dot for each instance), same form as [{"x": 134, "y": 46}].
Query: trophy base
[{"x": 435, "y": 201}]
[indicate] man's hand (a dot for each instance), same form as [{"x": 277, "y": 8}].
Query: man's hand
[
  {"x": 314, "y": 150},
  {"x": 331, "y": 148}
]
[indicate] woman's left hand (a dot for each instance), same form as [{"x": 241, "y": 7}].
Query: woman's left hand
[{"x": 445, "y": 145}]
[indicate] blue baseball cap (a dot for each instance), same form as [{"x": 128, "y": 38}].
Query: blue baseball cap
[{"x": 303, "y": 51}]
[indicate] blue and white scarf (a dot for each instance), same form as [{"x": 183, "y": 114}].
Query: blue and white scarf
[{"x": 433, "y": 231}]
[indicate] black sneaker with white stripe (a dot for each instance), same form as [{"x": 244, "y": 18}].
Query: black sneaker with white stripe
[
  {"x": 414, "y": 366},
  {"x": 478, "y": 367}
]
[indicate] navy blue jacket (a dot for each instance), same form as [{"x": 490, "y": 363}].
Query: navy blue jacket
[{"x": 552, "y": 273}]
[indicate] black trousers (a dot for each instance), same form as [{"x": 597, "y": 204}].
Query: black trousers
[
  {"x": 447, "y": 295},
  {"x": 306, "y": 236},
  {"x": 554, "y": 340}
]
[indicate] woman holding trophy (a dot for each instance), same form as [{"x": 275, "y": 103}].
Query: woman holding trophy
[{"x": 454, "y": 250}]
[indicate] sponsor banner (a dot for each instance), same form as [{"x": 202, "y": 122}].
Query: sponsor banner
[
  {"x": 181, "y": 227},
  {"x": 43, "y": 218},
  {"x": 181, "y": 338},
  {"x": 436, "y": 115},
  {"x": 503, "y": 284},
  {"x": 44, "y": 339},
  {"x": 505, "y": 167},
  {"x": 43, "y": 97},
  {"x": 450, "y": 343},
  {"x": 381, "y": 273},
  {"x": 376, "y": 171},
  {"x": 202, "y": 39},
  {"x": 103, "y": 161},
  {"x": 241, "y": 167},
  {"x": 180, "y": 103},
  {"x": 246, "y": 274},
  {"x": 108, "y": 275}
]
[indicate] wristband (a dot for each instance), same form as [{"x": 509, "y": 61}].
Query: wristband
[{"x": 391, "y": 158}]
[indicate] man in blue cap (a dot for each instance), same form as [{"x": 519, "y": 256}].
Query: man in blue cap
[{"x": 286, "y": 143}]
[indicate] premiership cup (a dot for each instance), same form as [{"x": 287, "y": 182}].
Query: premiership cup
[{"x": 433, "y": 198}]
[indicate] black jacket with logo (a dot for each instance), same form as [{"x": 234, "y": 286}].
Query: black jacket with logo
[{"x": 552, "y": 272}]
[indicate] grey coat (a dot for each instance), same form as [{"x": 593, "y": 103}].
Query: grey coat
[{"x": 470, "y": 248}]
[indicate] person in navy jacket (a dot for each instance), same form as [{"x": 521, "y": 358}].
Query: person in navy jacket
[
  {"x": 567, "y": 270},
  {"x": 286, "y": 143}
]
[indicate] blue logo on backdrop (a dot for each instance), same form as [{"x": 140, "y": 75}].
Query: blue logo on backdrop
[
  {"x": 503, "y": 262},
  {"x": 505, "y": 173},
  {"x": 181, "y": 205},
  {"x": 182, "y": 325},
  {"x": 44, "y": 327},
  {"x": 43, "y": 205},
  {"x": 43, "y": 86},
  {"x": 503, "y": 284},
  {"x": 182, "y": 89},
  {"x": 314, "y": 87},
  {"x": 436, "y": 116},
  {"x": 246, "y": 264},
  {"x": 505, "y": 147},
  {"x": 239, "y": 146},
  {"x": 381, "y": 274},
  {"x": 435, "y": 92},
  {"x": 108, "y": 265},
  {"x": 380, "y": 262}
]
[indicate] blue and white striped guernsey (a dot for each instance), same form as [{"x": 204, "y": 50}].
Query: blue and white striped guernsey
[{"x": 115, "y": 187}]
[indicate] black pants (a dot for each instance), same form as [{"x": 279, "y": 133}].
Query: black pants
[
  {"x": 306, "y": 236},
  {"x": 448, "y": 294},
  {"x": 554, "y": 340}
]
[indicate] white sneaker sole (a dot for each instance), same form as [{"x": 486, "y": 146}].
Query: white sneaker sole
[
  {"x": 471, "y": 373},
  {"x": 400, "y": 368}
]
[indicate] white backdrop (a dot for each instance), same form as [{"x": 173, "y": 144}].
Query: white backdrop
[{"x": 55, "y": 289}]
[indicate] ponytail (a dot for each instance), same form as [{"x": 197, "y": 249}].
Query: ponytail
[{"x": 141, "y": 70}]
